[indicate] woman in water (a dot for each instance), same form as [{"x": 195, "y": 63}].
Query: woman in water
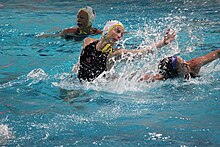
[
  {"x": 85, "y": 18},
  {"x": 175, "y": 66},
  {"x": 96, "y": 53}
]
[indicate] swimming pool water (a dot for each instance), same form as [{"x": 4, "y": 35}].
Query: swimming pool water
[{"x": 43, "y": 104}]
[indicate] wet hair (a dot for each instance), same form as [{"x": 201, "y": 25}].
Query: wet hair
[{"x": 167, "y": 67}]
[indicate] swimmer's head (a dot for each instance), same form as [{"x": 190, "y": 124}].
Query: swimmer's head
[
  {"x": 174, "y": 66},
  {"x": 90, "y": 16},
  {"x": 168, "y": 67},
  {"x": 111, "y": 24}
]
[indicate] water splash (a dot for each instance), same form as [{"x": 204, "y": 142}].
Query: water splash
[
  {"x": 36, "y": 75},
  {"x": 5, "y": 134},
  {"x": 124, "y": 74}
]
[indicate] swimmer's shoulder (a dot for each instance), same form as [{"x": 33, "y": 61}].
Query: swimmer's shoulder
[
  {"x": 95, "y": 31},
  {"x": 88, "y": 41},
  {"x": 68, "y": 31}
]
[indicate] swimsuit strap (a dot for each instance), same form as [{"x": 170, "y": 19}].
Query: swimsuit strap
[
  {"x": 107, "y": 49},
  {"x": 81, "y": 32}
]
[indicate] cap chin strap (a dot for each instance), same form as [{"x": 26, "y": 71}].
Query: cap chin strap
[
  {"x": 82, "y": 32},
  {"x": 107, "y": 49}
]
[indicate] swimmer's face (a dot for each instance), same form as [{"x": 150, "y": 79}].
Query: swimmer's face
[
  {"x": 115, "y": 34},
  {"x": 82, "y": 19},
  {"x": 183, "y": 68}
]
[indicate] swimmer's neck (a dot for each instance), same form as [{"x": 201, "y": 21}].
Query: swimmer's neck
[{"x": 85, "y": 29}]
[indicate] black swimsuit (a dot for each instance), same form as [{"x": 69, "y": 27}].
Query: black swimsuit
[
  {"x": 92, "y": 62},
  {"x": 79, "y": 36}
]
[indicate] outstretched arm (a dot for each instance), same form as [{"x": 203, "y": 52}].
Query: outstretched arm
[
  {"x": 209, "y": 57},
  {"x": 196, "y": 63},
  {"x": 168, "y": 38},
  {"x": 151, "y": 77},
  {"x": 68, "y": 31}
]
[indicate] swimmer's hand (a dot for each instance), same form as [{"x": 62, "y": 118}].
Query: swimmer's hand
[{"x": 168, "y": 37}]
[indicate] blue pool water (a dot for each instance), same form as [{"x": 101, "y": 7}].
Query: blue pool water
[{"x": 43, "y": 104}]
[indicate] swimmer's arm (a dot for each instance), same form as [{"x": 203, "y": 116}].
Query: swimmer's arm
[
  {"x": 135, "y": 52},
  {"x": 95, "y": 31},
  {"x": 99, "y": 31},
  {"x": 168, "y": 38},
  {"x": 151, "y": 78},
  {"x": 68, "y": 31}
]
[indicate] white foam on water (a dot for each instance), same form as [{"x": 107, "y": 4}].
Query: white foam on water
[
  {"x": 37, "y": 74},
  {"x": 5, "y": 133}
]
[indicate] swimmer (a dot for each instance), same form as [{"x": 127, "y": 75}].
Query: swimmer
[
  {"x": 85, "y": 18},
  {"x": 176, "y": 66},
  {"x": 96, "y": 53}
]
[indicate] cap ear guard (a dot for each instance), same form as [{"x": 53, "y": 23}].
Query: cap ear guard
[{"x": 90, "y": 9}]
